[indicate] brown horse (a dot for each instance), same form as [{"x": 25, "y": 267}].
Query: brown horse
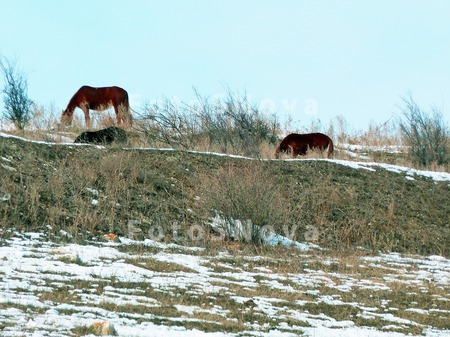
[
  {"x": 298, "y": 144},
  {"x": 99, "y": 99}
]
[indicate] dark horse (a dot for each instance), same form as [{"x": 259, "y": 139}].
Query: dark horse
[
  {"x": 99, "y": 99},
  {"x": 104, "y": 136},
  {"x": 298, "y": 144}
]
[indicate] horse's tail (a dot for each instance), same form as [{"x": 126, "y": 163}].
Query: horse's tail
[
  {"x": 128, "y": 119},
  {"x": 330, "y": 148}
]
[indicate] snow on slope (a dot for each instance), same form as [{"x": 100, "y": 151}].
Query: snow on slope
[{"x": 31, "y": 267}]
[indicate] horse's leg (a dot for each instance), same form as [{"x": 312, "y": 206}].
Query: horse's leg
[
  {"x": 293, "y": 151},
  {"x": 302, "y": 150},
  {"x": 119, "y": 119},
  {"x": 125, "y": 115},
  {"x": 330, "y": 148},
  {"x": 87, "y": 117}
]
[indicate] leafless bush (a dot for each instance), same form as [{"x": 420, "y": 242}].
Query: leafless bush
[
  {"x": 18, "y": 107},
  {"x": 169, "y": 123},
  {"x": 426, "y": 134},
  {"x": 44, "y": 117},
  {"x": 245, "y": 202},
  {"x": 232, "y": 124}
]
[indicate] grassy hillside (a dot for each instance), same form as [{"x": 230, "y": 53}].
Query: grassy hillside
[{"x": 80, "y": 192}]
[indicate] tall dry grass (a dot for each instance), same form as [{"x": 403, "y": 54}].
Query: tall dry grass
[{"x": 247, "y": 200}]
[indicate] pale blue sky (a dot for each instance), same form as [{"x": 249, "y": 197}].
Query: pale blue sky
[{"x": 309, "y": 59}]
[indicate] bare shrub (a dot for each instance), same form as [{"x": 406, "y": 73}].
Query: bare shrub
[
  {"x": 231, "y": 125},
  {"x": 166, "y": 122},
  {"x": 44, "y": 117},
  {"x": 246, "y": 200},
  {"x": 383, "y": 134},
  {"x": 18, "y": 107},
  {"x": 425, "y": 133}
]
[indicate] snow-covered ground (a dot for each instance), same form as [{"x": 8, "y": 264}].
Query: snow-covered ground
[
  {"x": 365, "y": 148},
  {"x": 49, "y": 289}
]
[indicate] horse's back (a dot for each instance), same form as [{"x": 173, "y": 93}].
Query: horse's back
[
  {"x": 97, "y": 96},
  {"x": 310, "y": 138},
  {"x": 320, "y": 138}
]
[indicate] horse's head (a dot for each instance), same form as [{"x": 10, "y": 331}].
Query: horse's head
[
  {"x": 277, "y": 153},
  {"x": 66, "y": 118},
  {"x": 282, "y": 148}
]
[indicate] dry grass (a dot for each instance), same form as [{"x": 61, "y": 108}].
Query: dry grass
[
  {"x": 245, "y": 193},
  {"x": 88, "y": 191}
]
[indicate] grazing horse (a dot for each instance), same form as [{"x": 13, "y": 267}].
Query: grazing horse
[
  {"x": 103, "y": 136},
  {"x": 298, "y": 144},
  {"x": 99, "y": 99}
]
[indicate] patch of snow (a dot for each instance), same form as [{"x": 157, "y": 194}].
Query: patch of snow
[
  {"x": 59, "y": 138},
  {"x": 371, "y": 166},
  {"x": 238, "y": 230},
  {"x": 93, "y": 191},
  {"x": 395, "y": 149}
]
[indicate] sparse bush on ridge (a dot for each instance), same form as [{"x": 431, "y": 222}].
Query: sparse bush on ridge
[
  {"x": 425, "y": 133},
  {"x": 230, "y": 125},
  {"x": 18, "y": 107}
]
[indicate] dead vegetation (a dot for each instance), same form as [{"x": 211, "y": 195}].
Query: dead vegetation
[{"x": 171, "y": 195}]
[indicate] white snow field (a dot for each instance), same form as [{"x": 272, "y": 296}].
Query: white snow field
[{"x": 49, "y": 289}]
